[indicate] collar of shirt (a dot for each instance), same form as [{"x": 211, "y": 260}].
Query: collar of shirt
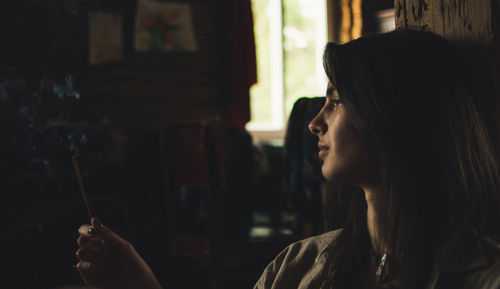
[{"x": 462, "y": 253}]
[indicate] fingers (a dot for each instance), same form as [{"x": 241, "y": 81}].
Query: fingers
[
  {"x": 86, "y": 255},
  {"x": 93, "y": 245},
  {"x": 86, "y": 230},
  {"x": 103, "y": 232},
  {"x": 96, "y": 222},
  {"x": 82, "y": 241},
  {"x": 98, "y": 245},
  {"x": 89, "y": 272},
  {"x": 93, "y": 250}
]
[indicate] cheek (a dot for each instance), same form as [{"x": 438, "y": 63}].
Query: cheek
[
  {"x": 341, "y": 137},
  {"x": 345, "y": 141},
  {"x": 344, "y": 160}
]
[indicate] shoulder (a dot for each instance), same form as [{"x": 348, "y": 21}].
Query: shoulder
[
  {"x": 490, "y": 275},
  {"x": 482, "y": 272},
  {"x": 307, "y": 249},
  {"x": 316, "y": 244},
  {"x": 302, "y": 260}
]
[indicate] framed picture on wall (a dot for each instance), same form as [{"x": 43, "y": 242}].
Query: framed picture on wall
[{"x": 163, "y": 27}]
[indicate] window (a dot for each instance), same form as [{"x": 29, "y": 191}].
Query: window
[{"x": 290, "y": 37}]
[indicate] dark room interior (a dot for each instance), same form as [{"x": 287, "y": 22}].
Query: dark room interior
[{"x": 137, "y": 112}]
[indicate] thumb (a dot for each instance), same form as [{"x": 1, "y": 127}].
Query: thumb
[{"x": 107, "y": 234}]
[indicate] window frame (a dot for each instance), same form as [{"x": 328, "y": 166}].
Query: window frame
[{"x": 276, "y": 129}]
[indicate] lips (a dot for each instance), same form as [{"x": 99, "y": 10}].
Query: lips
[{"x": 323, "y": 150}]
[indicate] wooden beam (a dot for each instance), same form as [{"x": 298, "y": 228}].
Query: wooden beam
[
  {"x": 420, "y": 14},
  {"x": 345, "y": 21},
  {"x": 460, "y": 20},
  {"x": 334, "y": 16},
  {"x": 468, "y": 20},
  {"x": 357, "y": 19}
]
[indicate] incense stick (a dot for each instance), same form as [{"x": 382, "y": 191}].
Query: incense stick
[{"x": 80, "y": 181}]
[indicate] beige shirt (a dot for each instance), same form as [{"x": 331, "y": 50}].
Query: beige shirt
[{"x": 467, "y": 265}]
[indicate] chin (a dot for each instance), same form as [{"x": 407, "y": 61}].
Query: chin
[
  {"x": 335, "y": 174},
  {"x": 330, "y": 173}
]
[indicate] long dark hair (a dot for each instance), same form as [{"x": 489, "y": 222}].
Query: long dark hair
[{"x": 411, "y": 104}]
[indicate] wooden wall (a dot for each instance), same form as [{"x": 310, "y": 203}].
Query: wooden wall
[
  {"x": 460, "y": 20},
  {"x": 154, "y": 89},
  {"x": 351, "y": 19}
]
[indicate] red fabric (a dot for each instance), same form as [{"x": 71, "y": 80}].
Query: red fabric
[{"x": 242, "y": 61}]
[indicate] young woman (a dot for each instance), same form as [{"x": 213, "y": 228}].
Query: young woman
[{"x": 401, "y": 131}]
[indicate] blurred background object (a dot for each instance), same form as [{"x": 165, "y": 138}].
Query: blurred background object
[{"x": 166, "y": 154}]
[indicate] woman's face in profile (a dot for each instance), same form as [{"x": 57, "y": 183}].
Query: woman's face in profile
[{"x": 344, "y": 159}]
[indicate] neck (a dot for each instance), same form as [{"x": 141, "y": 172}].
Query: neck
[{"x": 373, "y": 201}]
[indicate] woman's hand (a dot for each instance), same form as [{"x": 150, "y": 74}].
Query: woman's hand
[{"x": 109, "y": 262}]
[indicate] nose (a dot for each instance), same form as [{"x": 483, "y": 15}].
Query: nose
[{"x": 317, "y": 126}]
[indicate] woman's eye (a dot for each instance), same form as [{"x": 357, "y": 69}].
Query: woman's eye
[{"x": 334, "y": 102}]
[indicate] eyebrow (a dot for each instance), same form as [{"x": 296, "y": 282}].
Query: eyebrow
[{"x": 330, "y": 90}]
